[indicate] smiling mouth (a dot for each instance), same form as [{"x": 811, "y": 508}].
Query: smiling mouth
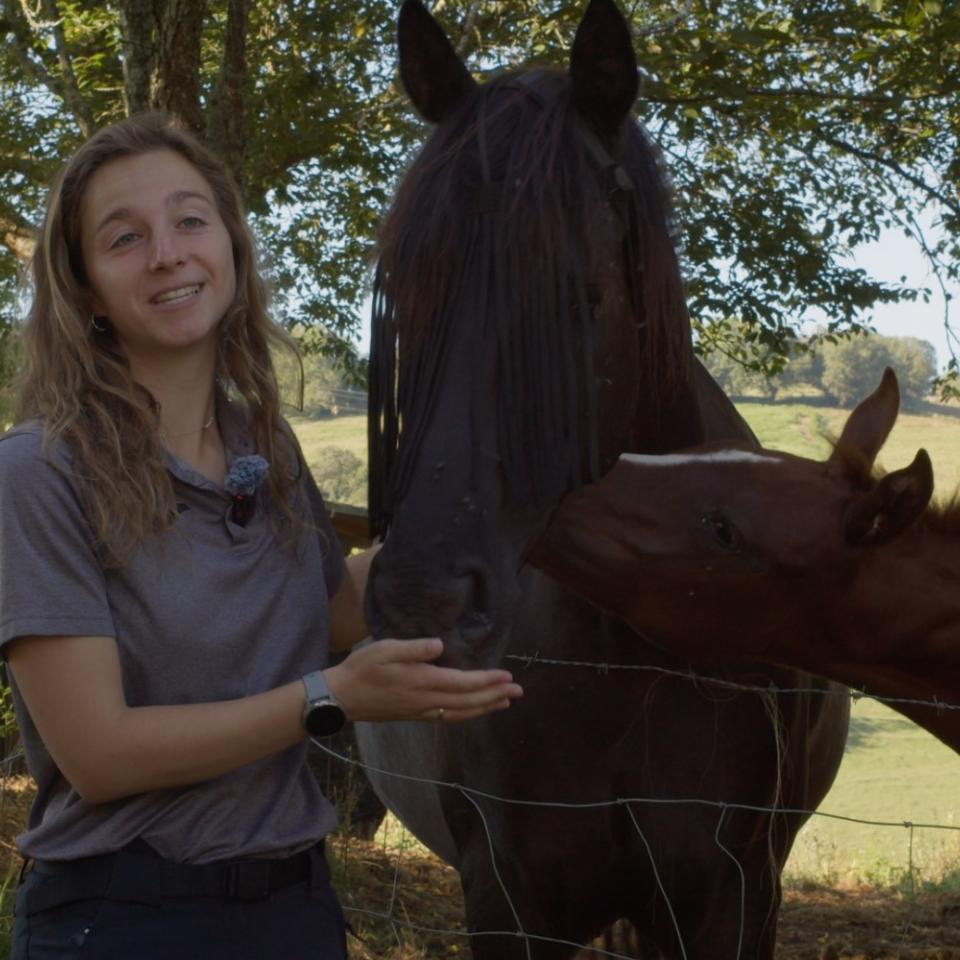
[{"x": 181, "y": 293}]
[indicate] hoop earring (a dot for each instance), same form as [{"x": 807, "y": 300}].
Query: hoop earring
[{"x": 100, "y": 324}]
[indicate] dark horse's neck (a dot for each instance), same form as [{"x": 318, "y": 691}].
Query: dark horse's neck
[{"x": 895, "y": 631}]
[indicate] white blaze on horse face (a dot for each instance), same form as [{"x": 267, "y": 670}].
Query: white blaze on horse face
[{"x": 679, "y": 459}]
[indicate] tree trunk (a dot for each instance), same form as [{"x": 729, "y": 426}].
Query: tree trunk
[
  {"x": 227, "y": 130},
  {"x": 138, "y": 23},
  {"x": 176, "y": 80}
]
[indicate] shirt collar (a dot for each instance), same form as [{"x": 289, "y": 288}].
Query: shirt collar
[{"x": 233, "y": 420}]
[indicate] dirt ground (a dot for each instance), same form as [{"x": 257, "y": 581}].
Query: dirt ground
[
  {"x": 865, "y": 923},
  {"x": 816, "y": 923}
]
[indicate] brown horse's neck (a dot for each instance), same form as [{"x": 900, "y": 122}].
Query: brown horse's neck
[{"x": 896, "y": 632}]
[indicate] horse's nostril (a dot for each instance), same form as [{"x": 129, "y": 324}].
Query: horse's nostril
[
  {"x": 474, "y": 625},
  {"x": 476, "y": 619}
]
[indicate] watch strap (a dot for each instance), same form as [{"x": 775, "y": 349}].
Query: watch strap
[{"x": 315, "y": 687}]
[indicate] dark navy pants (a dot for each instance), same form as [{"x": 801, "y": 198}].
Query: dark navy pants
[{"x": 300, "y": 922}]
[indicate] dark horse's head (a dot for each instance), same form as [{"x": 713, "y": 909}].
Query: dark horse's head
[{"x": 529, "y": 324}]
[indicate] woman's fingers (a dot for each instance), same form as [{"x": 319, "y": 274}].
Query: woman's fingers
[
  {"x": 424, "y": 650},
  {"x": 395, "y": 680},
  {"x": 456, "y": 715},
  {"x": 421, "y": 649}
]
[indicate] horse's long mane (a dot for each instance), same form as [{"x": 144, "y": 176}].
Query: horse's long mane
[{"x": 491, "y": 226}]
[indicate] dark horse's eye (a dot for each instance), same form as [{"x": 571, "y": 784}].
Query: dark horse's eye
[{"x": 724, "y": 531}]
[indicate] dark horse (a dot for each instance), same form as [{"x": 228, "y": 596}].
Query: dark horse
[{"x": 529, "y": 327}]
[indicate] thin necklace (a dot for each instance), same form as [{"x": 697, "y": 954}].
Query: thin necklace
[{"x": 188, "y": 433}]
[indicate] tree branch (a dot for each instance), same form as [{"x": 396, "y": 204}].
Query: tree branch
[
  {"x": 23, "y": 47},
  {"x": 469, "y": 23},
  {"x": 802, "y": 92},
  {"x": 918, "y": 234},
  {"x": 71, "y": 90},
  {"x": 16, "y": 235},
  {"x": 869, "y": 156}
]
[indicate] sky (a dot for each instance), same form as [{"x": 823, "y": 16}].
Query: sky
[{"x": 891, "y": 257}]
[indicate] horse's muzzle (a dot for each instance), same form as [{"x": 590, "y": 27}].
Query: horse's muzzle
[{"x": 459, "y": 607}]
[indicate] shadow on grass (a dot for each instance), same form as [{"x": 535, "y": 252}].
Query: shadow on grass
[{"x": 864, "y": 730}]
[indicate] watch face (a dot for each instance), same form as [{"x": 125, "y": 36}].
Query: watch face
[{"x": 324, "y": 718}]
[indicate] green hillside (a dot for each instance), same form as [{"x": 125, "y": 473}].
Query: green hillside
[{"x": 801, "y": 429}]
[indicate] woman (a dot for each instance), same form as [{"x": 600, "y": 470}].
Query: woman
[{"x": 165, "y": 634}]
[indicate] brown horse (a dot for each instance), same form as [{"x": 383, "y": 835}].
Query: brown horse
[
  {"x": 529, "y": 327},
  {"x": 822, "y": 565}
]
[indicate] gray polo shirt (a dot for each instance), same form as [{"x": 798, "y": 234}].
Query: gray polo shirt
[{"x": 208, "y": 611}]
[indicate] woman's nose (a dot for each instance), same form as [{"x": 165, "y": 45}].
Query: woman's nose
[{"x": 165, "y": 250}]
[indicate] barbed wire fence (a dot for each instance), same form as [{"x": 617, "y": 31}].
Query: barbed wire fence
[{"x": 399, "y": 920}]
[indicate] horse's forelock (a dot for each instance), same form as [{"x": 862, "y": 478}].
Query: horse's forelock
[{"x": 454, "y": 250}]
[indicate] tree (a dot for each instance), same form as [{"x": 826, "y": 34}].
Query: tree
[
  {"x": 915, "y": 362},
  {"x": 340, "y": 475},
  {"x": 734, "y": 378},
  {"x": 792, "y": 131},
  {"x": 804, "y": 369},
  {"x": 853, "y": 368}
]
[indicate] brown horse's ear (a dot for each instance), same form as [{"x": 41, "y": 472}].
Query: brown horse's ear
[
  {"x": 868, "y": 427},
  {"x": 432, "y": 74},
  {"x": 603, "y": 66},
  {"x": 896, "y": 501}
]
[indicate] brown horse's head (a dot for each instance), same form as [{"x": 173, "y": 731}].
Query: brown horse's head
[
  {"x": 684, "y": 545},
  {"x": 529, "y": 324}
]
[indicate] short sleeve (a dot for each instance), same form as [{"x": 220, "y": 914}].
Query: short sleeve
[
  {"x": 51, "y": 581},
  {"x": 333, "y": 563}
]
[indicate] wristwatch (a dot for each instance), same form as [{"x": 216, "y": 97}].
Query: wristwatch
[{"x": 322, "y": 714}]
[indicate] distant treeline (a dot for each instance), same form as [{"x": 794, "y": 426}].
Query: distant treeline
[
  {"x": 332, "y": 375},
  {"x": 843, "y": 372}
]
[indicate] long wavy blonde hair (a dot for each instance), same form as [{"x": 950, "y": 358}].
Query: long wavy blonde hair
[{"x": 76, "y": 380}]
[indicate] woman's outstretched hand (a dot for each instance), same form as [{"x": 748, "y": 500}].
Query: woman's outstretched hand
[{"x": 396, "y": 680}]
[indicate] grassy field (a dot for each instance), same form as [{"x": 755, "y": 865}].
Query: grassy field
[
  {"x": 796, "y": 427},
  {"x": 350, "y": 433},
  {"x": 893, "y": 771},
  {"x": 802, "y": 428}
]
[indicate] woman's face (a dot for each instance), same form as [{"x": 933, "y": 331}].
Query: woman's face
[{"x": 158, "y": 256}]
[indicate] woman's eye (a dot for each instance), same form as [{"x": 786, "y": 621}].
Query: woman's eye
[
  {"x": 192, "y": 223},
  {"x": 723, "y": 529},
  {"x": 125, "y": 239}
]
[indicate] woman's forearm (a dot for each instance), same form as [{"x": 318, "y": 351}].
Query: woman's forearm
[{"x": 73, "y": 689}]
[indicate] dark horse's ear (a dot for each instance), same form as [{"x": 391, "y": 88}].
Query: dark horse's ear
[
  {"x": 433, "y": 75},
  {"x": 868, "y": 427},
  {"x": 603, "y": 66},
  {"x": 896, "y": 501}
]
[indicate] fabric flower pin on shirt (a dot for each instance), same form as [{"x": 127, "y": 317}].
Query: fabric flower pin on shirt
[{"x": 245, "y": 477}]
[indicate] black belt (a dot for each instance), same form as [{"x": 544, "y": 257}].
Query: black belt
[{"x": 138, "y": 874}]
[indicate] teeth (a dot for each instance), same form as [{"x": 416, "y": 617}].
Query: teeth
[{"x": 177, "y": 294}]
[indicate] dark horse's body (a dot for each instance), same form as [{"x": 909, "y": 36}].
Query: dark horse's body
[{"x": 528, "y": 274}]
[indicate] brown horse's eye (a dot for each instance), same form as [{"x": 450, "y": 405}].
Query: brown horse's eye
[{"x": 724, "y": 531}]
